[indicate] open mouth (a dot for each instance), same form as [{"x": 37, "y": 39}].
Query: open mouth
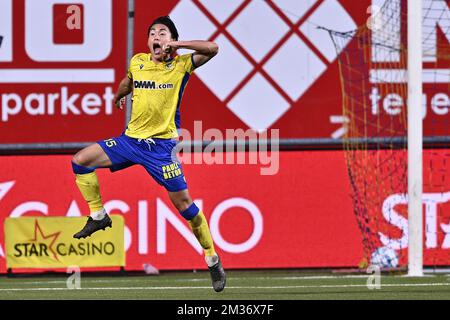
[{"x": 157, "y": 48}]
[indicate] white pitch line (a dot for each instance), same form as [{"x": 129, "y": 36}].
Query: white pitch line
[
  {"x": 205, "y": 279},
  {"x": 236, "y": 287}
]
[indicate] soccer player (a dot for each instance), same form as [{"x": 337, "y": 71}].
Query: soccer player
[{"x": 157, "y": 81}]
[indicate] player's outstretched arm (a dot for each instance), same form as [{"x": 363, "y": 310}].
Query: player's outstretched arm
[
  {"x": 204, "y": 50},
  {"x": 125, "y": 88}
]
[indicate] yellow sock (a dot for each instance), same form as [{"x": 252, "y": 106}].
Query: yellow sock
[
  {"x": 90, "y": 189},
  {"x": 200, "y": 228}
]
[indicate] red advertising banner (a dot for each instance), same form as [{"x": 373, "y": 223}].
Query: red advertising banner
[
  {"x": 61, "y": 61},
  {"x": 60, "y": 64},
  {"x": 301, "y": 216}
]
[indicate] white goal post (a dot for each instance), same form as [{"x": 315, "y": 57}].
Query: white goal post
[{"x": 415, "y": 138}]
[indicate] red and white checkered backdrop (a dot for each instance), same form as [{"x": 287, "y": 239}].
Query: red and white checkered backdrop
[{"x": 275, "y": 69}]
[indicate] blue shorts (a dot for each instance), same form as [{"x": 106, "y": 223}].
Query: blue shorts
[{"x": 155, "y": 155}]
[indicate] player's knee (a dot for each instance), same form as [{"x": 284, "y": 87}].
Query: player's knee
[
  {"x": 182, "y": 203},
  {"x": 80, "y": 164},
  {"x": 80, "y": 159},
  {"x": 180, "y": 199}
]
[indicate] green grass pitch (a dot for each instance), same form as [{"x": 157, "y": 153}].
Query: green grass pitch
[{"x": 241, "y": 285}]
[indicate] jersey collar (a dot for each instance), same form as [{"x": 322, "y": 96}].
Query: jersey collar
[{"x": 164, "y": 62}]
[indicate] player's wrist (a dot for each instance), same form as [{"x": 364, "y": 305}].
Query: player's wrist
[
  {"x": 178, "y": 44},
  {"x": 118, "y": 97}
]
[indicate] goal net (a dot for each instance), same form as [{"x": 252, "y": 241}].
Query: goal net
[{"x": 373, "y": 70}]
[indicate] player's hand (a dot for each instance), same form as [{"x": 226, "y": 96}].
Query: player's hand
[
  {"x": 120, "y": 102},
  {"x": 168, "y": 46}
]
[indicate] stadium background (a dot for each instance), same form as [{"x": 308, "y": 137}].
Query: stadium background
[{"x": 304, "y": 216}]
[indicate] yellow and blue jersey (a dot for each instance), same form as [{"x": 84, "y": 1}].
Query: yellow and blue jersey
[{"x": 157, "y": 93}]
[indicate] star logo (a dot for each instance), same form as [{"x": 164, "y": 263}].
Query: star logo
[{"x": 49, "y": 240}]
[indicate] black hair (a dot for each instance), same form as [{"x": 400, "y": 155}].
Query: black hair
[{"x": 165, "y": 20}]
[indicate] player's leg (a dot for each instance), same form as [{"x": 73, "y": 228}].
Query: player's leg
[
  {"x": 196, "y": 219},
  {"x": 199, "y": 225},
  {"x": 84, "y": 164},
  {"x": 160, "y": 162}
]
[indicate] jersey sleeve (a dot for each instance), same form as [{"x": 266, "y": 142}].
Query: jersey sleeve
[
  {"x": 129, "y": 73},
  {"x": 188, "y": 62}
]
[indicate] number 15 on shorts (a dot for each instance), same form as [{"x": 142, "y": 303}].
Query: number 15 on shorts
[{"x": 110, "y": 143}]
